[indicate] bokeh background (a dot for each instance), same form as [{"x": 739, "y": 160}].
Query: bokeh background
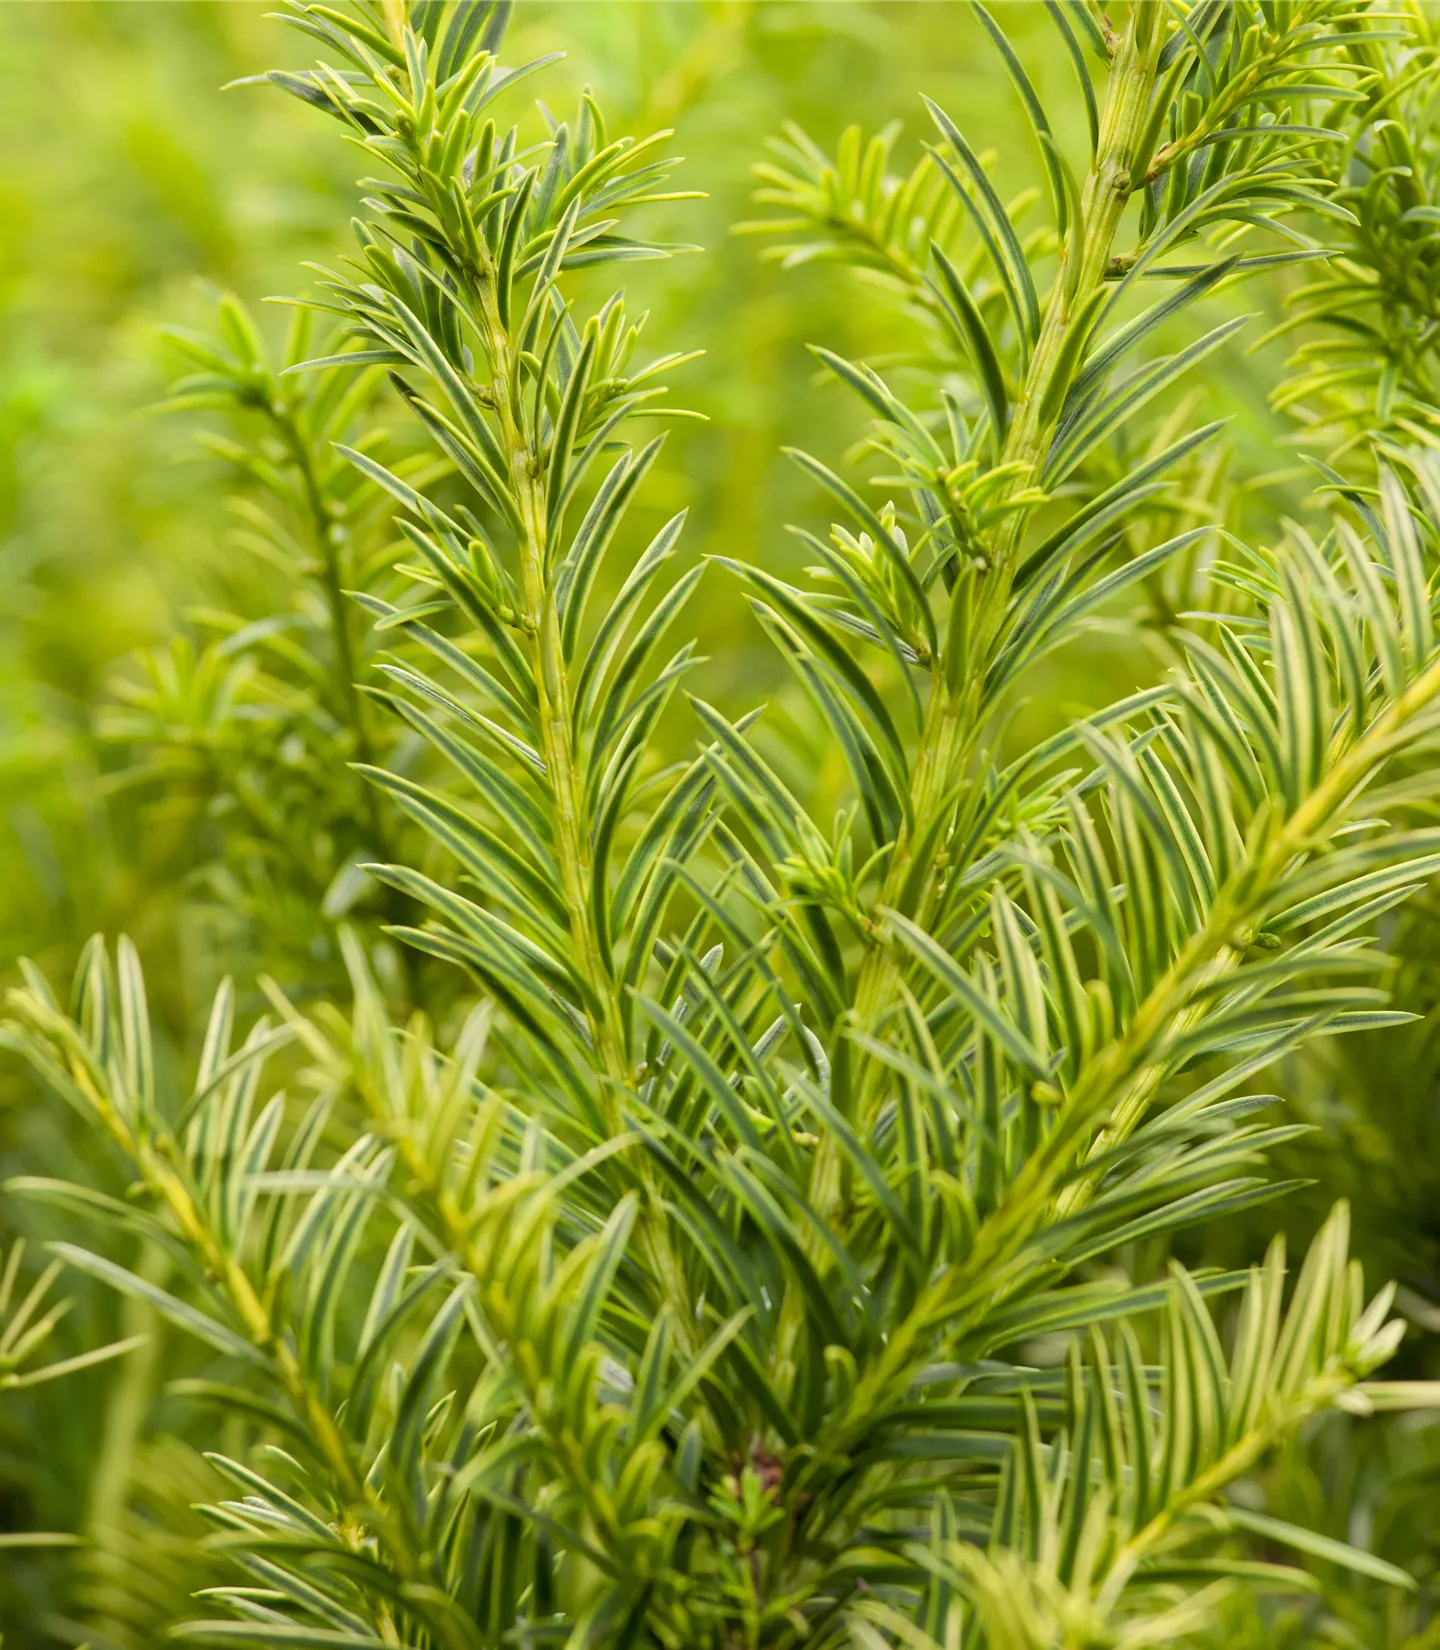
[{"x": 133, "y": 189}]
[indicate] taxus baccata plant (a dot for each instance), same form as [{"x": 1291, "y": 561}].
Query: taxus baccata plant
[
  {"x": 242, "y": 739},
  {"x": 1365, "y": 365},
  {"x": 764, "y": 1256}
]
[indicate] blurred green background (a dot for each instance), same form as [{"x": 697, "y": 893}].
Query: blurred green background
[{"x": 132, "y": 188}]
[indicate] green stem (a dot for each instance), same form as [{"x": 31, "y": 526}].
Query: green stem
[
  {"x": 1083, "y": 262},
  {"x": 1227, "y": 108},
  {"x": 1219, "y": 947},
  {"x": 1119, "y": 1083},
  {"x": 955, "y": 713},
  {"x": 563, "y": 766},
  {"x": 322, "y": 527},
  {"x": 154, "y": 1162},
  {"x": 1318, "y": 1394},
  {"x": 557, "y": 742}
]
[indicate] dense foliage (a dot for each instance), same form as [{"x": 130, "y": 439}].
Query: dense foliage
[{"x": 670, "y": 1164}]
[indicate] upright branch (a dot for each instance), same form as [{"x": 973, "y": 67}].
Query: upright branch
[
  {"x": 543, "y": 697},
  {"x": 261, "y": 719},
  {"x": 956, "y": 709},
  {"x": 964, "y": 596}
]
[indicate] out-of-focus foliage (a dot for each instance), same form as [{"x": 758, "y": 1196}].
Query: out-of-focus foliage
[
  {"x": 229, "y": 680},
  {"x": 1370, "y": 370}
]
